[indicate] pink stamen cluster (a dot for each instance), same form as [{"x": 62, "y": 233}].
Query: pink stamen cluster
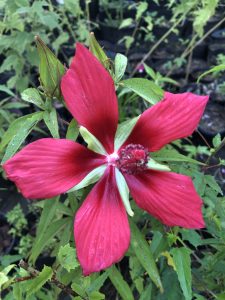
[{"x": 133, "y": 159}]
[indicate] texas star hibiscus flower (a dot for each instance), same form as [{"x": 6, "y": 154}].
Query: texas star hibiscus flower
[{"x": 49, "y": 167}]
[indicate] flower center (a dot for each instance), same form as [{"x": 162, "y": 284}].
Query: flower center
[{"x": 132, "y": 159}]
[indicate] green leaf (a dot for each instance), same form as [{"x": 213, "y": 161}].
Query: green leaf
[
  {"x": 144, "y": 254},
  {"x": 168, "y": 80},
  {"x": 91, "y": 178},
  {"x": 4, "y": 279},
  {"x": 51, "y": 121},
  {"x": 125, "y": 23},
  {"x": 158, "y": 244},
  {"x": 120, "y": 284},
  {"x": 124, "y": 191},
  {"x": 171, "y": 286},
  {"x": 40, "y": 242},
  {"x": 98, "y": 282},
  {"x": 145, "y": 88},
  {"x": 32, "y": 95},
  {"x": 67, "y": 257},
  {"x": 128, "y": 41},
  {"x": 150, "y": 71},
  {"x": 77, "y": 288},
  {"x": 13, "y": 128},
  {"x": 98, "y": 52},
  {"x": 17, "y": 291},
  {"x": 47, "y": 215},
  {"x": 21, "y": 135},
  {"x": 182, "y": 261},
  {"x": 72, "y": 130},
  {"x": 50, "y": 68},
  {"x": 120, "y": 66},
  {"x": 92, "y": 141},
  {"x": 203, "y": 14},
  {"x": 36, "y": 284},
  {"x": 147, "y": 293},
  {"x": 191, "y": 236},
  {"x": 123, "y": 131},
  {"x": 142, "y": 7},
  {"x": 6, "y": 90},
  {"x": 217, "y": 140},
  {"x": 5, "y": 115},
  {"x": 211, "y": 181},
  {"x": 154, "y": 165},
  {"x": 173, "y": 156},
  {"x": 96, "y": 296},
  {"x": 14, "y": 105},
  {"x": 212, "y": 70}
]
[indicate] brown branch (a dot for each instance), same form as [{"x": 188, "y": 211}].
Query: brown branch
[
  {"x": 188, "y": 50},
  {"x": 34, "y": 273},
  {"x": 203, "y": 138},
  {"x": 155, "y": 46},
  {"x": 19, "y": 279}
]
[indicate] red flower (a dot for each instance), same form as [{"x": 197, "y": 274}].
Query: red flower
[{"x": 49, "y": 167}]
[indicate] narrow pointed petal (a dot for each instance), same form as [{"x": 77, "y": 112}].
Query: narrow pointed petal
[
  {"x": 169, "y": 197},
  {"x": 101, "y": 228},
  {"x": 49, "y": 167},
  {"x": 89, "y": 92},
  {"x": 175, "y": 117}
]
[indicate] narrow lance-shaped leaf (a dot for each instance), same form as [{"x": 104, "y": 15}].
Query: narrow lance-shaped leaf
[
  {"x": 32, "y": 95},
  {"x": 98, "y": 52},
  {"x": 50, "y": 68},
  {"x": 182, "y": 261},
  {"x": 51, "y": 121},
  {"x": 13, "y": 128},
  {"x": 145, "y": 88},
  {"x": 72, "y": 130},
  {"x": 212, "y": 70},
  {"x": 173, "y": 156},
  {"x": 47, "y": 215},
  {"x": 120, "y": 284},
  {"x": 98, "y": 282},
  {"x": 144, "y": 254},
  {"x": 6, "y": 90},
  {"x": 34, "y": 285},
  {"x": 21, "y": 135}
]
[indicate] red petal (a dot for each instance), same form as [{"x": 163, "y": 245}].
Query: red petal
[
  {"x": 89, "y": 92},
  {"x": 169, "y": 197},
  {"x": 175, "y": 117},
  {"x": 101, "y": 228},
  {"x": 49, "y": 167}
]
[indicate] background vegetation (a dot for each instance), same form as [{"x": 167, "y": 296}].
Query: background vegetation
[{"x": 170, "y": 43}]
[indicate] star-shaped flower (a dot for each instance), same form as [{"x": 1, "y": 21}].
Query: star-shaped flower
[{"x": 49, "y": 167}]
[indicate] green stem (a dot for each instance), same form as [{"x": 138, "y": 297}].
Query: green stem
[{"x": 215, "y": 151}]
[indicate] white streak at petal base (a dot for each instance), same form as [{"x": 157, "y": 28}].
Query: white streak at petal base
[
  {"x": 154, "y": 165},
  {"x": 92, "y": 141},
  {"x": 123, "y": 131},
  {"x": 91, "y": 178},
  {"x": 124, "y": 191}
]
